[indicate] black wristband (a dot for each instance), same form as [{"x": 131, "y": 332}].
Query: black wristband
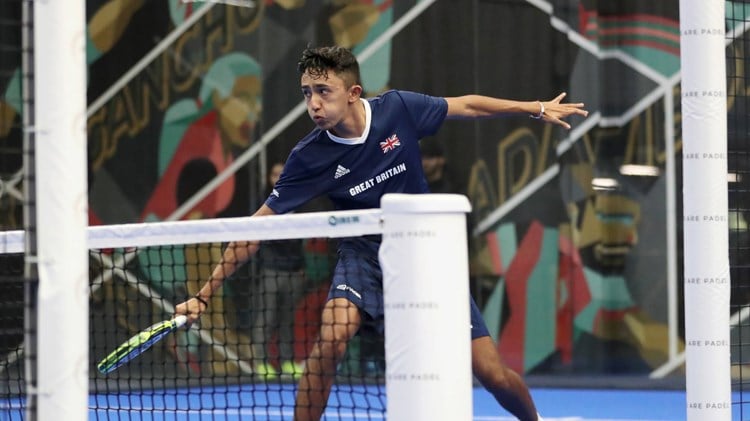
[{"x": 201, "y": 300}]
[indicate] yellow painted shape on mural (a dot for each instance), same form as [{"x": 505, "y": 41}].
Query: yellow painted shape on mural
[
  {"x": 590, "y": 231},
  {"x": 650, "y": 337},
  {"x": 480, "y": 262},
  {"x": 351, "y": 24},
  {"x": 199, "y": 260},
  {"x": 290, "y": 4},
  {"x": 7, "y": 115},
  {"x": 583, "y": 174},
  {"x": 618, "y": 204},
  {"x": 109, "y": 22},
  {"x": 617, "y": 233}
]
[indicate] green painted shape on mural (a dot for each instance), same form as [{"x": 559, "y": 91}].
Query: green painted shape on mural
[
  {"x": 541, "y": 305},
  {"x": 177, "y": 120},
  {"x": 666, "y": 64},
  {"x": 166, "y": 266},
  {"x": 506, "y": 237},
  {"x": 584, "y": 320},
  {"x": 92, "y": 53},
  {"x": 493, "y": 308},
  {"x": 375, "y": 71},
  {"x": 12, "y": 94},
  {"x": 608, "y": 292}
]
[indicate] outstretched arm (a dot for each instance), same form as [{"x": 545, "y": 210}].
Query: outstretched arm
[
  {"x": 235, "y": 255},
  {"x": 478, "y": 106}
]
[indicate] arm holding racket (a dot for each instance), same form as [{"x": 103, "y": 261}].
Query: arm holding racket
[{"x": 235, "y": 255}]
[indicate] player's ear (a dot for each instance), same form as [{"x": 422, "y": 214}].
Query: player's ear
[{"x": 355, "y": 92}]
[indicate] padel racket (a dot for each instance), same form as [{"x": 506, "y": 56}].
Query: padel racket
[{"x": 139, "y": 343}]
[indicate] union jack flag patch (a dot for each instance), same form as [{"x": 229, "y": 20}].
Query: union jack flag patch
[{"x": 390, "y": 143}]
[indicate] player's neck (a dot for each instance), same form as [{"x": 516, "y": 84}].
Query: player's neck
[{"x": 353, "y": 125}]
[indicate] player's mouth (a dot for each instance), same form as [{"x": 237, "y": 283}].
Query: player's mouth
[{"x": 319, "y": 119}]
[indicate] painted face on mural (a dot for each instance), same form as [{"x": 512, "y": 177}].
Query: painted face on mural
[
  {"x": 604, "y": 221},
  {"x": 240, "y": 111}
]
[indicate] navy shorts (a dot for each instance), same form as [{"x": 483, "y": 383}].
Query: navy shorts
[{"x": 358, "y": 278}]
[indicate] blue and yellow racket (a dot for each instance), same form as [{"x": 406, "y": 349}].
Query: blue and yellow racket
[{"x": 139, "y": 343}]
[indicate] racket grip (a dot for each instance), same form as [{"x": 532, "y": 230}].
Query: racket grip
[{"x": 180, "y": 320}]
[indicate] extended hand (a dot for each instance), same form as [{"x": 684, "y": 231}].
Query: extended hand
[{"x": 555, "y": 111}]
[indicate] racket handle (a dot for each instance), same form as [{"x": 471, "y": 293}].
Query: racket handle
[{"x": 180, "y": 320}]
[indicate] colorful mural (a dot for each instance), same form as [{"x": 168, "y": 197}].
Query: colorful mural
[{"x": 568, "y": 251}]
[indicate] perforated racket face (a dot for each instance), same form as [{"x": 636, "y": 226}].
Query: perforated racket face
[{"x": 138, "y": 344}]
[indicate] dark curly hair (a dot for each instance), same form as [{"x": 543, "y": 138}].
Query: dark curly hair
[{"x": 318, "y": 61}]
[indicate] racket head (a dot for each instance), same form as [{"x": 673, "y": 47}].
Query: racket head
[{"x": 139, "y": 343}]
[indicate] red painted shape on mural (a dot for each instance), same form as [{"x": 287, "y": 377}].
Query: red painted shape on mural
[
  {"x": 573, "y": 295},
  {"x": 512, "y": 338},
  {"x": 578, "y": 288},
  {"x": 202, "y": 141}
]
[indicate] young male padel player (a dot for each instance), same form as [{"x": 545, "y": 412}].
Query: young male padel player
[{"x": 360, "y": 150}]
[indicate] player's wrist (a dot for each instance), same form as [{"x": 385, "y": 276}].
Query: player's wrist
[
  {"x": 541, "y": 111},
  {"x": 201, "y": 300}
]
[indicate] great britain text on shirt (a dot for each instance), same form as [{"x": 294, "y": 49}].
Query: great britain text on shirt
[{"x": 390, "y": 172}]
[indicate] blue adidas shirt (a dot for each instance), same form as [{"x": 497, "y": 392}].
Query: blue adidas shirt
[{"x": 356, "y": 173}]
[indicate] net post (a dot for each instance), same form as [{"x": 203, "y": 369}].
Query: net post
[
  {"x": 61, "y": 209},
  {"x": 705, "y": 201},
  {"x": 424, "y": 258}
]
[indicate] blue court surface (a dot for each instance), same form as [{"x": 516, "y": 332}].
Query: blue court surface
[{"x": 274, "y": 402}]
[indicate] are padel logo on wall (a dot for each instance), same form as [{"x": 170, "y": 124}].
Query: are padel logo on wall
[
  {"x": 706, "y": 281},
  {"x": 709, "y": 405},
  {"x": 338, "y": 220},
  {"x": 705, "y": 218}
]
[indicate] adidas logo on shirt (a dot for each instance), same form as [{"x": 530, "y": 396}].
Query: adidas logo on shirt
[{"x": 340, "y": 172}]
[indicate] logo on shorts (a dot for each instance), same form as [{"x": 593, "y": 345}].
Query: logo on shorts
[{"x": 344, "y": 287}]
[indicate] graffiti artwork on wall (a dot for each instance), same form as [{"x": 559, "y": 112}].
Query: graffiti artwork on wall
[{"x": 575, "y": 279}]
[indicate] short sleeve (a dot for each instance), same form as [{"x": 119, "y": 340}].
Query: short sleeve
[
  {"x": 297, "y": 185},
  {"x": 427, "y": 112}
]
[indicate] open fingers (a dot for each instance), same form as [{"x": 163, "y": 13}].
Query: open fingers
[{"x": 559, "y": 98}]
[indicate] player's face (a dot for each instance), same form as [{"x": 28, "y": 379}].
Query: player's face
[{"x": 327, "y": 99}]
